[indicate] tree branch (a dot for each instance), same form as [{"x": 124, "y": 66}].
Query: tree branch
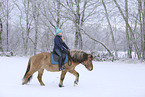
[{"x": 98, "y": 42}]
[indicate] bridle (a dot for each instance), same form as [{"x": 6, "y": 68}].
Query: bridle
[{"x": 88, "y": 61}]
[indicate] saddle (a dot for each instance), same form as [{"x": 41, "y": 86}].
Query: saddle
[{"x": 55, "y": 57}]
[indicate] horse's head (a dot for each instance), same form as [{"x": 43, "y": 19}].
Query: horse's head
[
  {"x": 82, "y": 57},
  {"x": 88, "y": 63}
]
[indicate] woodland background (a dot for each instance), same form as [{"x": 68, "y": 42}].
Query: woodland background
[{"x": 27, "y": 27}]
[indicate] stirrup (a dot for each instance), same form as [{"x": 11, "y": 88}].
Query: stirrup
[{"x": 62, "y": 68}]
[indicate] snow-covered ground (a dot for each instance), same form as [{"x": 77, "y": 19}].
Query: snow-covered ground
[{"x": 108, "y": 79}]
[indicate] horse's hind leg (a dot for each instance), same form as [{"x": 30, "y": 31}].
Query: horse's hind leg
[
  {"x": 29, "y": 74},
  {"x": 40, "y": 73}
]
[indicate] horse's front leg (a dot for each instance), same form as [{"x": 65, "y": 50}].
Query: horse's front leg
[
  {"x": 76, "y": 74},
  {"x": 63, "y": 73}
]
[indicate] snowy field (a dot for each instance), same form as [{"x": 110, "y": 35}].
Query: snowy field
[{"x": 118, "y": 79}]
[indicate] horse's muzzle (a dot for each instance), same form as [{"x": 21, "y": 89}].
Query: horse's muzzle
[{"x": 90, "y": 69}]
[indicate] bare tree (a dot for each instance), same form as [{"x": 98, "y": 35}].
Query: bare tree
[
  {"x": 99, "y": 43},
  {"x": 144, "y": 29},
  {"x": 35, "y": 11},
  {"x": 76, "y": 11},
  {"x": 51, "y": 15},
  {"x": 140, "y": 23},
  {"x": 1, "y": 27},
  {"x": 8, "y": 9},
  {"x": 25, "y": 17},
  {"x": 110, "y": 27},
  {"x": 7, "y": 24},
  {"x": 128, "y": 37},
  {"x": 130, "y": 29},
  {"x": 58, "y": 14}
]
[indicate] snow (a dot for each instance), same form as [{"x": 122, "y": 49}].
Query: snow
[{"x": 108, "y": 79}]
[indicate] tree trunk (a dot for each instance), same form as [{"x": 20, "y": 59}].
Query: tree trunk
[
  {"x": 58, "y": 14},
  {"x": 129, "y": 45},
  {"x": 107, "y": 17},
  {"x": 7, "y": 26},
  {"x": 1, "y": 30},
  {"x": 27, "y": 26},
  {"x": 76, "y": 37},
  {"x": 35, "y": 16},
  {"x": 141, "y": 26},
  {"x": 77, "y": 25},
  {"x": 144, "y": 29}
]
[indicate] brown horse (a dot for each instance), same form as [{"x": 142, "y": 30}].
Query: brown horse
[{"x": 42, "y": 61}]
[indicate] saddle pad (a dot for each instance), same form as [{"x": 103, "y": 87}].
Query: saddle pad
[{"x": 54, "y": 59}]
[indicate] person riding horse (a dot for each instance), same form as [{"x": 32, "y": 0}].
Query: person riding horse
[{"x": 60, "y": 48}]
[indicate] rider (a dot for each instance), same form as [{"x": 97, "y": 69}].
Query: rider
[{"x": 60, "y": 47}]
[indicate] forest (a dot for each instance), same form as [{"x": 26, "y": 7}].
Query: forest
[{"x": 27, "y": 27}]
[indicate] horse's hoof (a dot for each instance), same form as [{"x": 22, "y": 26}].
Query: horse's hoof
[
  {"x": 76, "y": 82},
  {"x": 23, "y": 83},
  {"x": 42, "y": 84},
  {"x": 60, "y": 85}
]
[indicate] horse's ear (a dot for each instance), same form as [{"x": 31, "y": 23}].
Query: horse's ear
[{"x": 90, "y": 56}]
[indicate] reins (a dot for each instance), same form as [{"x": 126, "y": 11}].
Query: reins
[{"x": 69, "y": 59}]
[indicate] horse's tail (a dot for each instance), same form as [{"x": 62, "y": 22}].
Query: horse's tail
[{"x": 28, "y": 68}]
